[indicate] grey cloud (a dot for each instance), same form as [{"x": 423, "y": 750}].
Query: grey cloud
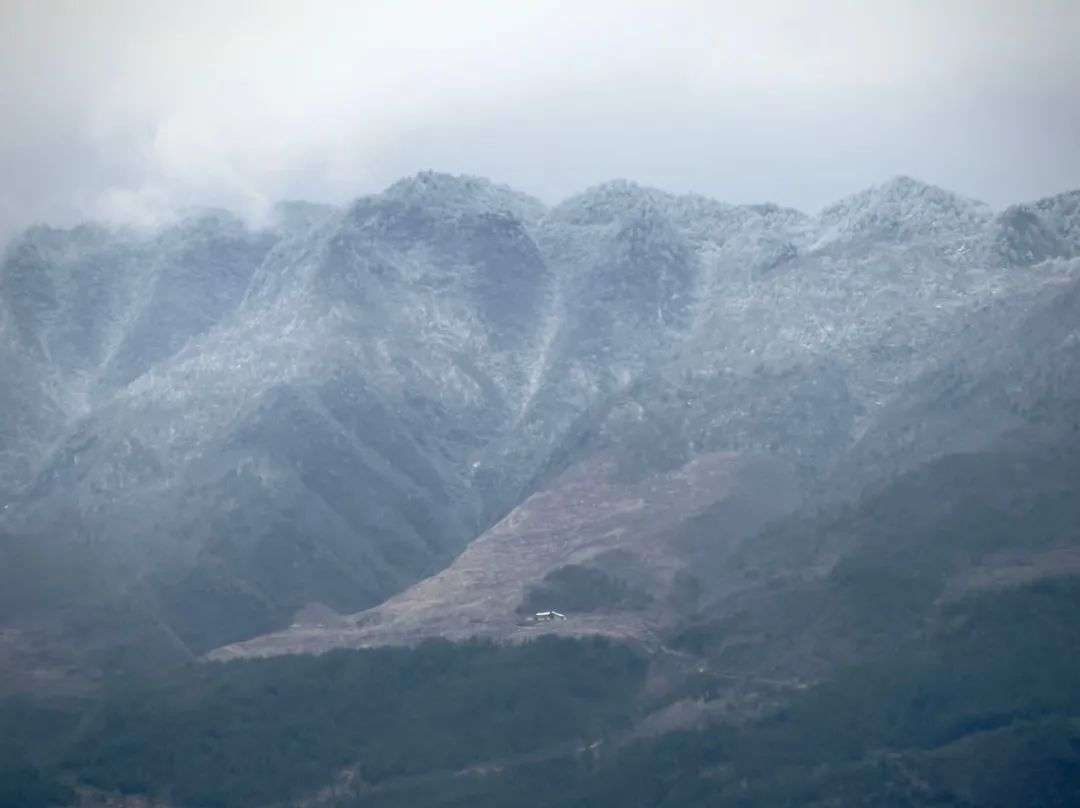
[{"x": 129, "y": 110}]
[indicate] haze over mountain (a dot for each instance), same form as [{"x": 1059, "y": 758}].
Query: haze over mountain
[
  {"x": 130, "y": 111},
  {"x": 768, "y": 450},
  {"x": 229, "y": 424}
]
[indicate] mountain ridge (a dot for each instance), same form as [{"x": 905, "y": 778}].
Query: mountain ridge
[{"x": 330, "y": 410}]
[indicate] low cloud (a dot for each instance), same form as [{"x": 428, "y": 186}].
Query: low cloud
[{"x": 131, "y": 110}]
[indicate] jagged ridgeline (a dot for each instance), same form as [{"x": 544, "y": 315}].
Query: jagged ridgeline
[
  {"x": 804, "y": 488},
  {"x": 214, "y": 424}
]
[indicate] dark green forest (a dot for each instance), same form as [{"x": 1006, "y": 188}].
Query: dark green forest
[
  {"x": 983, "y": 711},
  {"x": 916, "y": 693},
  {"x": 256, "y": 732},
  {"x": 986, "y": 713}
]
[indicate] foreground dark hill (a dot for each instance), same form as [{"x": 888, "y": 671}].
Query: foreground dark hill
[
  {"x": 225, "y": 424},
  {"x": 910, "y": 649}
]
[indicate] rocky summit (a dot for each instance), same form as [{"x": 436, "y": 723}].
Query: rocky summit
[{"x": 207, "y": 428}]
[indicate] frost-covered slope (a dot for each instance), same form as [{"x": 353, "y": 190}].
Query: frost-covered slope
[
  {"x": 1024, "y": 235},
  {"x": 240, "y": 422},
  {"x": 317, "y": 443},
  {"x": 84, "y": 312}
]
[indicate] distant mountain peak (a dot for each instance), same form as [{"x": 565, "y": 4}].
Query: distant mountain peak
[
  {"x": 901, "y": 209},
  {"x": 621, "y": 188},
  {"x": 903, "y": 183},
  {"x": 463, "y": 193},
  {"x": 902, "y": 189},
  {"x": 612, "y": 201},
  {"x": 1063, "y": 213},
  {"x": 439, "y": 184},
  {"x": 1049, "y": 228}
]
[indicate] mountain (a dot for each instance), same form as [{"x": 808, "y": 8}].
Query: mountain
[
  {"x": 1025, "y": 235},
  {"x": 902, "y": 212},
  {"x": 778, "y": 460},
  {"x": 234, "y": 423},
  {"x": 351, "y": 374}
]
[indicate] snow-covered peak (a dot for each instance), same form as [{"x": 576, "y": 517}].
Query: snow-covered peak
[
  {"x": 610, "y": 202},
  {"x": 700, "y": 219},
  {"x": 902, "y": 209},
  {"x": 461, "y": 194},
  {"x": 1062, "y": 214},
  {"x": 1024, "y": 235}
]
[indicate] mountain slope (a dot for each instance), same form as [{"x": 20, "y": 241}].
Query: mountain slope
[{"x": 236, "y": 423}]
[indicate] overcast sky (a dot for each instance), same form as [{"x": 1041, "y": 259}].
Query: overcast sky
[{"x": 128, "y": 110}]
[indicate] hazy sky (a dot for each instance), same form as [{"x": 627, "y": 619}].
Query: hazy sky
[{"x": 126, "y": 110}]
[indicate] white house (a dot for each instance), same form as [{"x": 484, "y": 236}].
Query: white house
[{"x": 550, "y": 616}]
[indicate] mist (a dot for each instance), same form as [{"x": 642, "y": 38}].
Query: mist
[{"x": 129, "y": 111}]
